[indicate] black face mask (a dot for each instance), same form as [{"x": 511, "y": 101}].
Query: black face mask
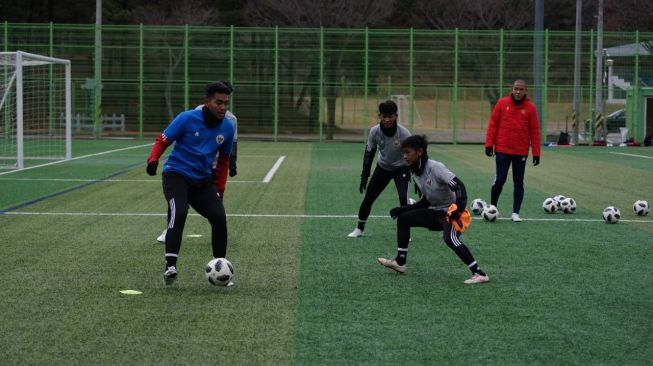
[
  {"x": 418, "y": 167},
  {"x": 389, "y": 131},
  {"x": 517, "y": 102},
  {"x": 210, "y": 120}
]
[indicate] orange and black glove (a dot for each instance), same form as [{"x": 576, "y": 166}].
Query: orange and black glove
[{"x": 459, "y": 219}]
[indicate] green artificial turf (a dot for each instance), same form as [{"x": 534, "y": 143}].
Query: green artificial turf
[{"x": 565, "y": 289}]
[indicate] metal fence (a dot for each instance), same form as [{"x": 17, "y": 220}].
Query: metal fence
[{"x": 323, "y": 84}]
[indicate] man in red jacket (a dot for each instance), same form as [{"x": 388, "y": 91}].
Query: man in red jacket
[{"x": 512, "y": 129}]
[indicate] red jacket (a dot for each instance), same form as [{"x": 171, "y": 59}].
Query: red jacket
[{"x": 512, "y": 129}]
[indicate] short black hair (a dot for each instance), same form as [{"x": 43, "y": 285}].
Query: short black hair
[
  {"x": 227, "y": 83},
  {"x": 216, "y": 88},
  {"x": 415, "y": 142},
  {"x": 388, "y": 108}
]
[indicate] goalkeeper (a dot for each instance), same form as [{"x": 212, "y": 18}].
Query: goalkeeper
[
  {"x": 232, "y": 159},
  {"x": 442, "y": 208},
  {"x": 386, "y": 137},
  {"x": 189, "y": 178}
]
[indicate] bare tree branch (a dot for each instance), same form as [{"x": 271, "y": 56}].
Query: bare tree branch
[
  {"x": 474, "y": 14},
  {"x": 191, "y": 12},
  {"x": 315, "y": 13}
]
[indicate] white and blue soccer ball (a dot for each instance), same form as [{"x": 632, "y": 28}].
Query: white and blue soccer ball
[
  {"x": 611, "y": 215},
  {"x": 641, "y": 208},
  {"x": 219, "y": 272},
  {"x": 550, "y": 205},
  {"x": 568, "y": 205},
  {"x": 478, "y": 205},
  {"x": 558, "y": 199},
  {"x": 490, "y": 213}
]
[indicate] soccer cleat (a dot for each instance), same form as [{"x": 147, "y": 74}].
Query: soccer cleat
[
  {"x": 477, "y": 278},
  {"x": 356, "y": 233},
  {"x": 162, "y": 238},
  {"x": 392, "y": 264},
  {"x": 516, "y": 218},
  {"x": 170, "y": 275}
]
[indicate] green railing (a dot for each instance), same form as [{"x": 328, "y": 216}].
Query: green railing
[{"x": 324, "y": 84}]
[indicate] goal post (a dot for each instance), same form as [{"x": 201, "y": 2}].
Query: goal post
[
  {"x": 404, "y": 104},
  {"x": 35, "y": 109}
]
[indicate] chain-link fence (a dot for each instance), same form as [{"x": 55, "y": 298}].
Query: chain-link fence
[{"x": 323, "y": 84}]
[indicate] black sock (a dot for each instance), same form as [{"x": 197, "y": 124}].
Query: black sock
[
  {"x": 402, "y": 253},
  {"x": 171, "y": 261},
  {"x": 361, "y": 225},
  {"x": 476, "y": 269}
]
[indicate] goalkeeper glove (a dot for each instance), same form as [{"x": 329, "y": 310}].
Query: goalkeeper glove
[
  {"x": 395, "y": 212},
  {"x": 232, "y": 168},
  {"x": 536, "y": 160},
  {"x": 363, "y": 185},
  {"x": 151, "y": 167}
]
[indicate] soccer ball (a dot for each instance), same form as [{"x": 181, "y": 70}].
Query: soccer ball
[
  {"x": 550, "y": 205},
  {"x": 558, "y": 199},
  {"x": 478, "y": 205},
  {"x": 219, "y": 271},
  {"x": 611, "y": 215},
  {"x": 490, "y": 213},
  {"x": 568, "y": 205},
  {"x": 641, "y": 208}
]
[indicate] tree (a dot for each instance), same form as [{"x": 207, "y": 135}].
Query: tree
[
  {"x": 192, "y": 12},
  {"x": 474, "y": 14},
  {"x": 310, "y": 13}
]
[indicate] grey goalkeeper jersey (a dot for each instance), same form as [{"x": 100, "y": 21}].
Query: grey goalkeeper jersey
[
  {"x": 390, "y": 155},
  {"x": 433, "y": 183}
]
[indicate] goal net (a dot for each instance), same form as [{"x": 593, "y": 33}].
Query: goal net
[
  {"x": 35, "y": 109},
  {"x": 407, "y": 108}
]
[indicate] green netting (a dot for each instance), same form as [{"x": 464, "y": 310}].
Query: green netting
[{"x": 321, "y": 83}]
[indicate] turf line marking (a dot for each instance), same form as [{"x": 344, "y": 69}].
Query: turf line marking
[
  {"x": 71, "y": 189},
  {"x": 296, "y": 216},
  {"x": 268, "y": 177},
  {"x": 106, "y": 180},
  {"x": 254, "y": 156},
  {"x": 635, "y": 155},
  {"x": 75, "y": 158}
]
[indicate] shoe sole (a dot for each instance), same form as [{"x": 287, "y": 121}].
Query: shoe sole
[
  {"x": 392, "y": 268},
  {"x": 476, "y": 282},
  {"x": 169, "y": 280}
]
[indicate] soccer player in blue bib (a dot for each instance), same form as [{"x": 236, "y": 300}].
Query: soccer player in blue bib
[
  {"x": 232, "y": 159},
  {"x": 188, "y": 174},
  {"x": 443, "y": 204}
]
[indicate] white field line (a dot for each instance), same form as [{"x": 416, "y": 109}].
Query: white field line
[
  {"x": 296, "y": 216},
  {"x": 76, "y": 158},
  {"x": 635, "y": 155},
  {"x": 254, "y": 156},
  {"x": 268, "y": 177},
  {"x": 106, "y": 180}
]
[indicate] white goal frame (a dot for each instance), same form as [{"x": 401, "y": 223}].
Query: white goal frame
[{"x": 25, "y": 59}]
